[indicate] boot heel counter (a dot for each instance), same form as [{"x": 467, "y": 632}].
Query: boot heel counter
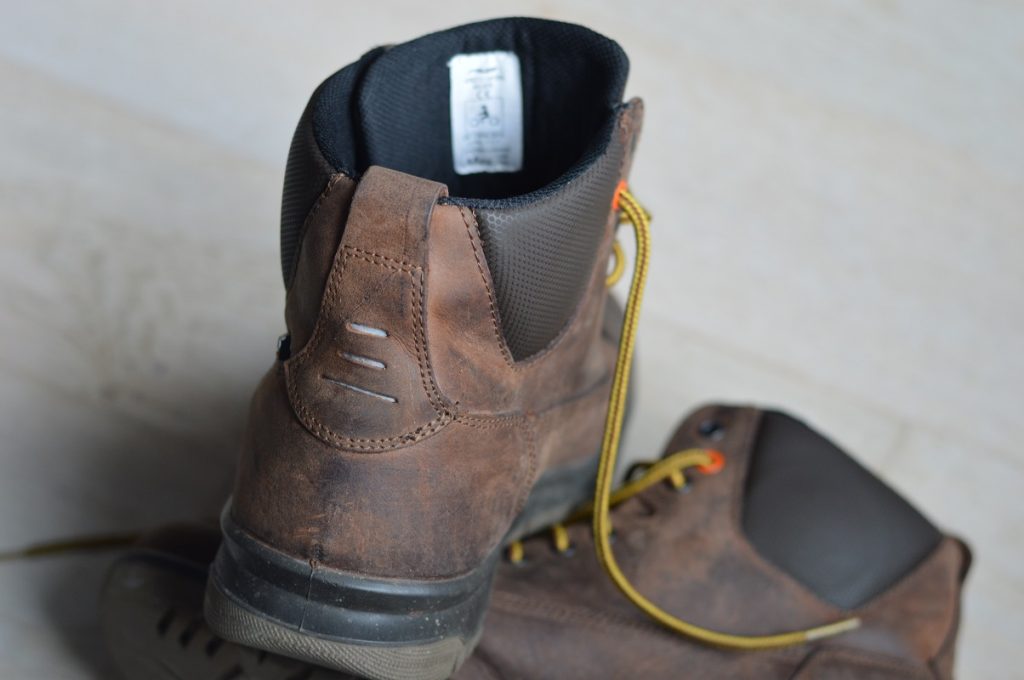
[
  {"x": 276, "y": 495},
  {"x": 432, "y": 509},
  {"x": 363, "y": 382}
]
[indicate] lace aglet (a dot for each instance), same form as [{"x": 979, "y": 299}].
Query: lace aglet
[{"x": 832, "y": 629}]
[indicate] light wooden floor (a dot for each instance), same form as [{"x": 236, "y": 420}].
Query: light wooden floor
[{"x": 839, "y": 198}]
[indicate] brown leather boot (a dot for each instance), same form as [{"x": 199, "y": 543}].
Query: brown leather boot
[
  {"x": 789, "y": 533},
  {"x": 446, "y": 231}
]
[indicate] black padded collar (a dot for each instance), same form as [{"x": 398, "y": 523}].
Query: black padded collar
[{"x": 391, "y": 108}]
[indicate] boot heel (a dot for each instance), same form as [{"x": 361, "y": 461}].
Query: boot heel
[{"x": 382, "y": 629}]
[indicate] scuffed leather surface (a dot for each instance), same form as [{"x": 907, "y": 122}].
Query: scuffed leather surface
[
  {"x": 541, "y": 253},
  {"x": 560, "y": 617},
  {"x": 431, "y": 509},
  {"x": 321, "y": 236}
]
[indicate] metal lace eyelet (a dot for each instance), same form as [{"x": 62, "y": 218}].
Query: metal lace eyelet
[
  {"x": 711, "y": 429},
  {"x": 716, "y": 464}
]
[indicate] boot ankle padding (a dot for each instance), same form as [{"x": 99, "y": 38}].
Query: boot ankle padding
[{"x": 828, "y": 522}]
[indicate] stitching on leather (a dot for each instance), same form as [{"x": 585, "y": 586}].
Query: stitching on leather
[
  {"x": 367, "y": 444},
  {"x": 502, "y": 345},
  {"x": 531, "y": 472},
  {"x": 383, "y": 260},
  {"x": 420, "y": 339},
  {"x": 485, "y": 423},
  {"x": 586, "y": 393},
  {"x": 307, "y": 416},
  {"x": 490, "y": 422}
]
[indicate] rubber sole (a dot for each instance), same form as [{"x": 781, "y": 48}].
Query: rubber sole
[
  {"x": 381, "y": 629},
  {"x": 429, "y": 661}
]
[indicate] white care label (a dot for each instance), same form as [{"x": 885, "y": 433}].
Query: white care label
[{"x": 486, "y": 112}]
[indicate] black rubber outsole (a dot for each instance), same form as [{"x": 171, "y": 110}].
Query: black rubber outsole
[{"x": 382, "y": 629}]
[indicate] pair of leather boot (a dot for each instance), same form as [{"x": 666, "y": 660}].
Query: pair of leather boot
[{"x": 434, "y": 445}]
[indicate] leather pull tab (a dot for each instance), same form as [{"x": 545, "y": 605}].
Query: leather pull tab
[
  {"x": 390, "y": 215},
  {"x": 363, "y": 382}
]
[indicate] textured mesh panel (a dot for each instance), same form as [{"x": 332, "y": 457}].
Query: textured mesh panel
[
  {"x": 816, "y": 513},
  {"x": 308, "y": 168},
  {"x": 541, "y": 253},
  {"x": 335, "y": 119},
  {"x": 305, "y": 177}
]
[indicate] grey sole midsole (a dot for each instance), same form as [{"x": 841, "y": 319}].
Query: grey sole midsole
[{"x": 435, "y": 660}]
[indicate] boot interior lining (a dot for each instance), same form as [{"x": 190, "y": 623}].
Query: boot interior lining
[{"x": 392, "y": 107}]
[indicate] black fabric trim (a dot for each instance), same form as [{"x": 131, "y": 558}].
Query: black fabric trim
[
  {"x": 813, "y": 511},
  {"x": 542, "y": 252},
  {"x": 309, "y": 168}
]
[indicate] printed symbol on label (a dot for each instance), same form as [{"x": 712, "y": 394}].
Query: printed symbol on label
[{"x": 485, "y": 114}]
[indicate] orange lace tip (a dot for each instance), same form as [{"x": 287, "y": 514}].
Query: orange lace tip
[
  {"x": 618, "y": 192},
  {"x": 716, "y": 464}
]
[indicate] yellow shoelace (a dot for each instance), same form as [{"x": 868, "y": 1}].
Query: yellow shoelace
[
  {"x": 634, "y": 214},
  {"x": 670, "y": 468}
]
